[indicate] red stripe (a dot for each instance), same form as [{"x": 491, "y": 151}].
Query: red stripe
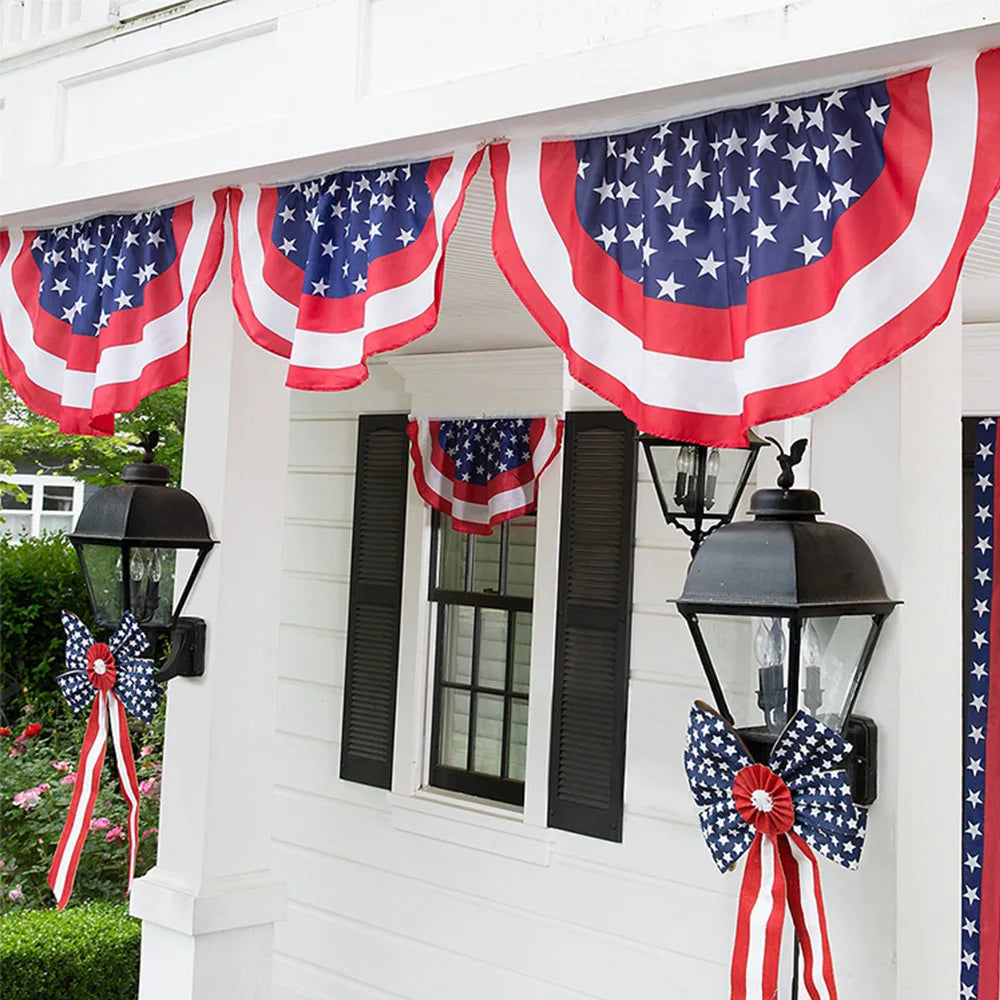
[
  {"x": 749, "y": 889},
  {"x": 989, "y": 906},
  {"x": 129, "y": 782},
  {"x": 91, "y": 735},
  {"x": 868, "y": 228},
  {"x": 775, "y": 924}
]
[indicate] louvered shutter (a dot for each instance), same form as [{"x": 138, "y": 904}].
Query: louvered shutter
[
  {"x": 593, "y": 625},
  {"x": 375, "y": 598}
]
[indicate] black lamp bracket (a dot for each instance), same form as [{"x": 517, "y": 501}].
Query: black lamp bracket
[{"x": 187, "y": 651}]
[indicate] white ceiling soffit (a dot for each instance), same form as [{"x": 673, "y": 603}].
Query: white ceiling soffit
[{"x": 479, "y": 311}]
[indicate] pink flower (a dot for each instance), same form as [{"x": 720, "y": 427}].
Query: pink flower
[
  {"x": 27, "y": 710},
  {"x": 151, "y": 832},
  {"x": 62, "y": 765},
  {"x": 15, "y": 751},
  {"x": 2, "y": 864},
  {"x": 101, "y": 823},
  {"x": 29, "y": 798},
  {"x": 115, "y": 833},
  {"x": 145, "y": 751},
  {"x": 147, "y": 787},
  {"x": 69, "y": 779},
  {"x": 15, "y": 894}
]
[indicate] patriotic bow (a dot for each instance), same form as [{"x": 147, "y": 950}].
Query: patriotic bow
[
  {"x": 114, "y": 677},
  {"x": 780, "y": 813}
]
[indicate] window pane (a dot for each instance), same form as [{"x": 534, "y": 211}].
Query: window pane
[
  {"x": 521, "y": 556},
  {"x": 8, "y": 501},
  {"x": 489, "y": 733},
  {"x": 451, "y": 562},
  {"x": 458, "y": 632},
  {"x": 486, "y": 563},
  {"x": 518, "y": 739},
  {"x": 454, "y": 728},
  {"x": 522, "y": 651},
  {"x": 493, "y": 649},
  {"x": 56, "y": 522},
  {"x": 57, "y": 498},
  {"x": 15, "y": 524}
]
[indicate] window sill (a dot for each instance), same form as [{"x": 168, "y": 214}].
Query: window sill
[{"x": 453, "y": 818}]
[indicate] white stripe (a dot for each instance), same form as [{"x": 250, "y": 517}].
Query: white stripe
[
  {"x": 810, "y": 914},
  {"x": 89, "y": 777},
  {"x": 382, "y": 309},
  {"x": 464, "y": 510},
  {"x": 779, "y": 357},
  {"x": 121, "y": 363},
  {"x": 125, "y": 781},
  {"x": 759, "y": 916}
]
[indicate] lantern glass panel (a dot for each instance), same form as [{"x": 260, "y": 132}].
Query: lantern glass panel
[
  {"x": 676, "y": 468},
  {"x": 830, "y": 659},
  {"x": 151, "y": 585},
  {"x": 102, "y": 567}
]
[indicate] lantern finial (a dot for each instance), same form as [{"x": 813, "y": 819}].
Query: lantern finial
[
  {"x": 786, "y": 480},
  {"x": 148, "y": 441}
]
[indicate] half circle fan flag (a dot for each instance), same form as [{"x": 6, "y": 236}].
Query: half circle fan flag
[
  {"x": 481, "y": 472},
  {"x": 781, "y": 814},
  {"x": 96, "y": 315},
  {"x": 718, "y": 272},
  {"x": 115, "y": 677},
  {"x": 329, "y": 271}
]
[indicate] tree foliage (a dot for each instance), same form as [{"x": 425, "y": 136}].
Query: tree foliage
[{"x": 28, "y": 439}]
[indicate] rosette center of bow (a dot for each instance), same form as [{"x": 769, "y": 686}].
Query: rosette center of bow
[
  {"x": 101, "y": 667},
  {"x": 763, "y": 799}
]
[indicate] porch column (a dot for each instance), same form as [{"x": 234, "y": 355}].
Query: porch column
[{"x": 209, "y": 905}]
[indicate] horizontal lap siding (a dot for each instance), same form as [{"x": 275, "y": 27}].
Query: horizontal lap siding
[{"x": 378, "y": 912}]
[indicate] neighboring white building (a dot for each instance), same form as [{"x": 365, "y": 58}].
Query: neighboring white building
[
  {"x": 278, "y": 878},
  {"x": 50, "y": 503}
]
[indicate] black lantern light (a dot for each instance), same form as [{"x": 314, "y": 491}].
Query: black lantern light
[
  {"x": 127, "y": 539},
  {"x": 699, "y": 488},
  {"x": 785, "y": 612}
]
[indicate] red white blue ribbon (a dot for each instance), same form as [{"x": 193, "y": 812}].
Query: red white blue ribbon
[
  {"x": 114, "y": 677},
  {"x": 779, "y": 816}
]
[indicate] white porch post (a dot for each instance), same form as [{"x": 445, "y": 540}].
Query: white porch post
[{"x": 209, "y": 905}]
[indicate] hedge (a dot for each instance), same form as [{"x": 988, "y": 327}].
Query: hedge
[{"x": 80, "y": 953}]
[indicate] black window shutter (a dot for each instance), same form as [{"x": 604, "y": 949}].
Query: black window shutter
[
  {"x": 593, "y": 625},
  {"x": 375, "y": 598}
]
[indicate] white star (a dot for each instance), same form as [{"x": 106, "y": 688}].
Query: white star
[
  {"x": 973, "y": 831},
  {"x": 660, "y": 162},
  {"x": 823, "y": 205},
  {"x": 984, "y": 450},
  {"x": 107, "y": 280},
  {"x": 971, "y": 894},
  {"x": 360, "y": 283},
  {"x": 765, "y": 141},
  {"x": 605, "y": 190},
  {"x": 814, "y": 118},
  {"x": 60, "y": 286},
  {"x": 319, "y": 287},
  {"x": 629, "y": 157},
  {"x": 795, "y": 155},
  {"x": 92, "y": 267},
  {"x": 635, "y": 235},
  {"x": 753, "y": 176},
  {"x": 123, "y": 301},
  {"x": 287, "y": 247},
  {"x": 982, "y": 576},
  {"x": 287, "y": 214},
  {"x": 975, "y": 765},
  {"x": 666, "y": 198},
  {"x": 844, "y": 192},
  {"x": 607, "y": 236},
  {"x": 785, "y": 196},
  {"x": 793, "y": 117},
  {"x": 359, "y": 243},
  {"x": 626, "y": 193},
  {"x": 735, "y": 143},
  {"x": 976, "y": 734},
  {"x": 709, "y": 265},
  {"x": 983, "y": 544},
  {"x": 741, "y": 201},
  {"x": 696, "y": 175},
  {"x": 717, "y": 207},
  {"x": 581, "y": 167},
  {"x": 968, "y": 959},
  {"x": 809, "y": 249},
  {"x": 669, "y": 287},
  {"x": 690, "y": 144},
  {"x": 328, "y": 248},
  {"x": 982, "y": 512},
  {"x": 763, "y": 232},
  {"x": 845, "y": 143},
  {"x": 647, "y": 251},
  {"x": 745, "y": 261},
  {"x": 405, "y": 237},
  {"x": 876, "y": 113},
  {"x": 612, "y": 152},
  {"x": 983, "y": 482},
  {"x": 979, "y": 671},
  {"x": 772, "y": 111},
  {"x": 834, "y": 99},
  {"x": 981, "y": 608},
  {"x": 155, "y": 238},
  {"x": 679, "y": 233}
]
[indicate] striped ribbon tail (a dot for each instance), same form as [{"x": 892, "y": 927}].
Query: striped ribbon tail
[
  {"x": 805, "y": 901},
  {"x": 757, "y": 950},
  {"x": 127, "y": 777},
  {"x": 81, "y": 807}
]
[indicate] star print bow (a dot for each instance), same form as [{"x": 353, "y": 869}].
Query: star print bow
[
  {"x": 780, "y": 814},
  {"x": 114, "y": 677}
]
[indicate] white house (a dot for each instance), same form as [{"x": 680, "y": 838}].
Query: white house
[{"x": 277, "y": 877}]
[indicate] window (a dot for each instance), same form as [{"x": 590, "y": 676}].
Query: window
[
  {"x": 51, "y": 503},
  {"x": 468, "y": 627},
  {"x": 482, "y": 590}
]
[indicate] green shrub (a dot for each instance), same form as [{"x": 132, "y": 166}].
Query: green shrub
[
  {"x": 83, "y": 952},
  {"x": 39, "y": 577}
]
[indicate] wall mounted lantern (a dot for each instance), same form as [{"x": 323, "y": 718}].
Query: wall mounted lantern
[
  {"x": 799, "y": 602},
  {"x": 699, "y": 488},
  {"x": 127, "y": 539}
]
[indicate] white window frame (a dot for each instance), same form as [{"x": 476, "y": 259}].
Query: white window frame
[
  {"x": 38, "y": 484},
  {"x": 487, "y": 383}
]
